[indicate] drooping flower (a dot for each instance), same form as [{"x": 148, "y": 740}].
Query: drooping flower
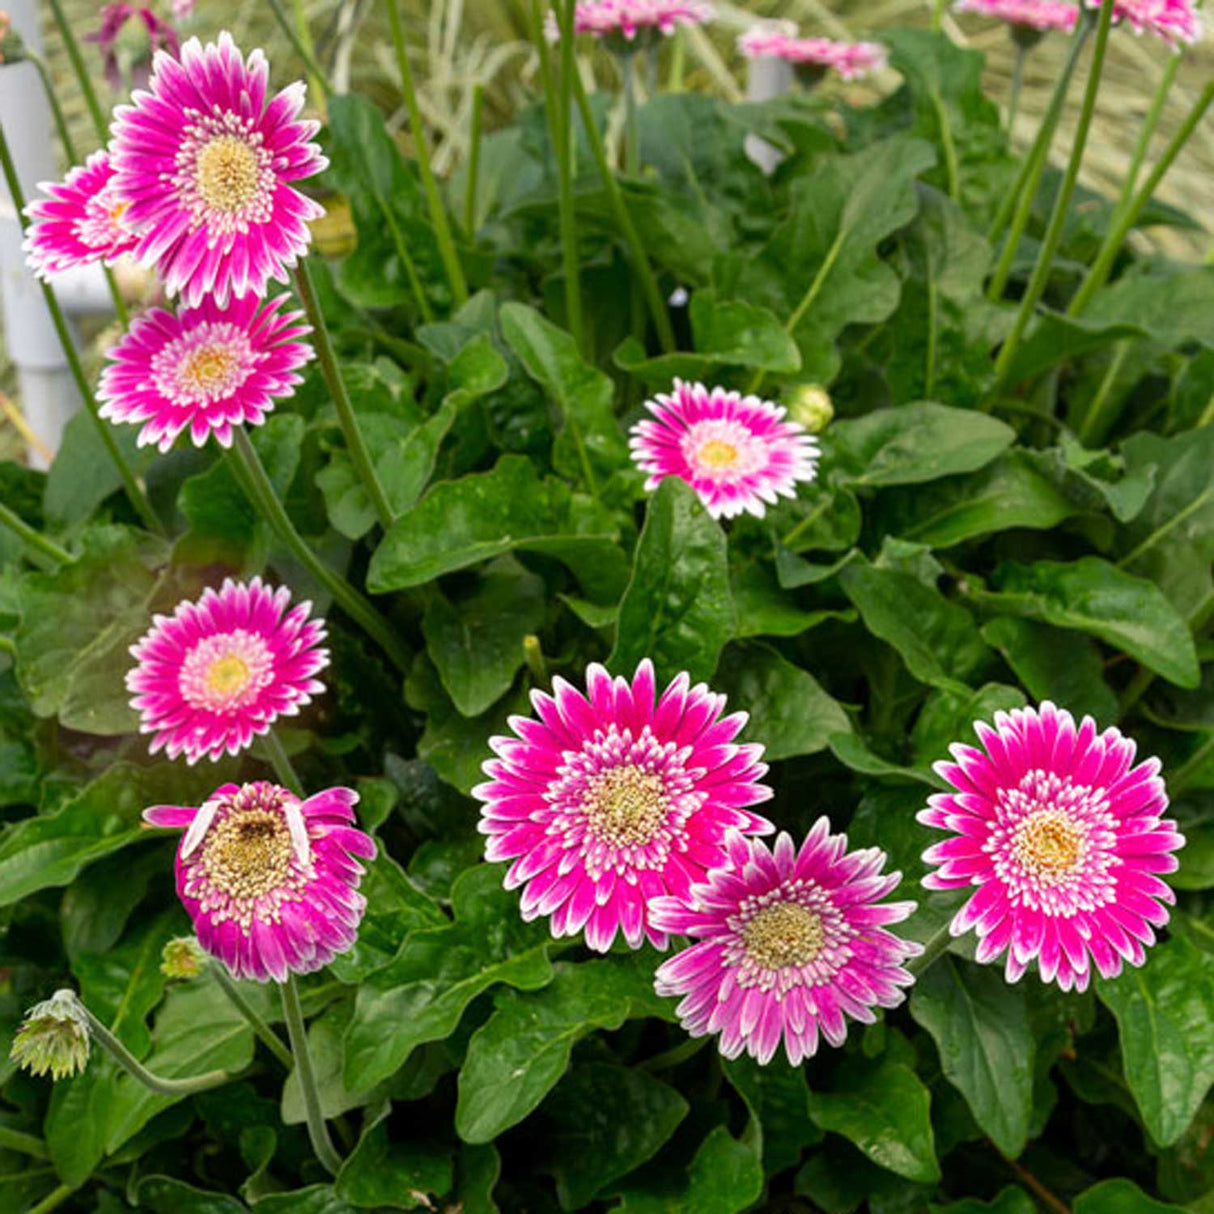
[
  {"x": 789, "y": 943},
  {"x": 53, "y": 1038},
  {"x": 12, "y": 46},
  {"x": 222, "y": 669},
  {"x": 625, "y": 21},
  {"x": 609, "y": 800},
  {"x": 82, "y": 221},
  {"x": 1175, "y": 21},
  {"x": 1059, "y": 834},
  {"x": 737, "y": 452},
  {"x": 113, "y": 35},
  {"x": 205, "y": 369},
  {"x": 1037, "y": 16},
  {"x": 850, "y": 59},
  {"x": 206, "y": 164},
  {"x": 270, "y": 881}
]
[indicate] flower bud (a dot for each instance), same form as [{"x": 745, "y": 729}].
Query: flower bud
[
  {"x": 810, "y": 405},
  {"x": 12, "y": 49},
  {"x": 54, "y": 1037},
  {"x": 182, "y": 957}
]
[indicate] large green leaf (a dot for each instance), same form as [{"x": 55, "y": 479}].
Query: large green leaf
[
  {"x": 166, "y": 1195},
  {"x": 1011, "y": 1200},
  {"x": 777, "y": 1097},
  {"x": 980, "y": 1025},
  {"x": 396, "y": 1174},
  {"x": 522, "y": 1050},
  {"x": 677, "y": 609},
  {"x": 1120, "y": 1197},
  {"x": 422, "y": 994},
  {"x": 725, "y": 1177},
  {"x": 83, "y": 474}
]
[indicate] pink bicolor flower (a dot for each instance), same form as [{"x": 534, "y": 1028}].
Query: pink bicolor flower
[
  {"x": 737, "y": 452},
  {"x": 205, "y": 369},
  {"x": 850, "y": 59},
  {"x": 1059, "y": 835},
  {"x": 1040, "y": 16},
  {"x": 221, "y": 670},
  {"x": 1175, "y": 21},
  {"x": 270, "y": 881},
  {"x": 609, "y": 800},
  {"x": 206, "y": 163},
  {"x": 627, "y": 19},
  {"x": 161, "y": 36},
  {"x": 82, "y": 221},
  {"x": 789, "y": 944}
]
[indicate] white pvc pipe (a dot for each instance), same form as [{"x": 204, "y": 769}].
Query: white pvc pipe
[{"x": 766, "y": 78}]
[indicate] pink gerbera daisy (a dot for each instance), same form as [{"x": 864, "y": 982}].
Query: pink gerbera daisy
[
  {"x": 1175, "y": 21},
  {"x": 221, "y": 670},
  {"x": 1060, "y": 834},
  {"x": 82, "y": 221},
  {"x": 1040, "y": 16},
  {"x": 790, "y": 943},
  {"x": 608, "y": 800},
  {"x": 737, "y": 452},
  {"x": 206, "y": 165},
  {"x": 270, "y": 881},
  {"x": 850, "y": 59},
  {"x": 627, "y": 19},
  {"x": 207, "y": 368}
]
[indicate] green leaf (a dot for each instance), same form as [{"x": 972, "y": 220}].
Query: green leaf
[
  {"x": 764, "y": 609},
  {"x": 603, "y": 1121},
  {"x": 83, "y": 474},
  {"x": 1094, "y": 597},
  {"x": 476, "y": 642},
  {"x": 463, "y": 522},
  {"x": 948, "y": 716},
  {"x": 315, "y": 1199},
  {"x": 677, "y": 608},
  {"x": 1120, "y": 1196},
  {"x": 1055, "y": 664},
  {"x": 885, "y": 1110},
  {"x": 725, "y": 1177},
  {"x": 480, "y": 1168},
  {"x": 168, "y": 1196},
  {"x": 980, "y": 1025},
  {"x": 1011, "y": 1200},
  {"x": 777, "y": 1097},
  {"x": 937, "y": 638},
  {"x": 788, "y": 709},
  {"x": 325, "y": 1045},
  {"x": 911, "y": 444},
  {"x": 422, "y": 994},
  {"x": 401, "y": 1175},
  {"x": 851, "y": 752},
  {"x": 517, "y": 1057},
  {"x": 1163, "y": 1013},
  {"x": 821, "y": 516}
]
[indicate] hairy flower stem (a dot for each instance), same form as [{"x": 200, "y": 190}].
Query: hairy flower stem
[
  {"x": 560, "y": 101},
  {"x": 134, "y": 491},
  {"x": 318, "y": 1131},
  {"x": 133, "y": 1067},
  {"x": 1019, "y": 199},
  {"x": 284, "y": 769},
  {"x": 1013, "y": 105},
  {"x": 72, "y": 46},
  {"x": 1053, "y": 232},
  {"x": 438, "y": 214},
  {"x": 474, "y": 159},
  {"x": 1126, "y": 218},
  {"x": 360, "y": 457},
  {"x": 252, "y": 477},
  {"x": 32, "y": 537},
  {"x": 266, "y": 1035}
]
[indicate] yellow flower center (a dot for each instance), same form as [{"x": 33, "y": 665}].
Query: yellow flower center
[
  {"x": 248, "y": 854},
  {"x": 227, "y": 173},
  {"x": 1049, "y": 842},
  {"x": 208, "y": 369},
  {"x": 625, "y": 806},
  {"x": 718, "y": 454},
  {"x": 227, "y": 675},
  {"x": 117, "y": 211},
  {"x": 784, "y": 933}
]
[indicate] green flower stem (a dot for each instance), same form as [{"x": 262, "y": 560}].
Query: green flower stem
[
  {"x": 256, "y": 484},
  {"x": 1180, "y": 778},
  {"x": 402, "y": 251},
  {"x": 562, "y": 121},
  {"x": 1149, "y": 127},
  {"x": 632, "y": 142},
  {"x": 301, "y": 45},
  {"x": 934, "y": 947},
  {"x": 266, "y": 1035},
  {"x": 438, "y": 214},
  {"x": 678, "y": 61},
  {"x": 134, "y": 492},
  {"x": 1013, "y": 104},
  {"x": 1019, "y": 199},
  {"x": 133, "y": 1067},
  {"x": 1138, "y": 686},
  {"x": 952, "y": 172},
  {"x": 64, "y": 26},
  {"x": 1053, "y": 232},
  {"x": 27, "y": 1144},
  {"x": 676, "y": 1055},
  {"x": 318, "y": 1132},
  {"x": 284, "y": 769},
  {"x": 360, "y": 457},
  {"x": 316, "y": 81},
  {"x": 640, "y": 262},
  {"x": 474, "y": 160},
  {"x": 1093, "y": 418},
  {"x": 53, "y": 1200},
  {"x": 1127, "y": 218},
  {"x": 32, "y": 537}
]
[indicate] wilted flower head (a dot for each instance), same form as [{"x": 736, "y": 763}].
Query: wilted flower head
[
  {"x": 131, "y": 33},
  {"x": 623, "y": 22},
  {"x": 270, "y": 881},
  {"x": 790, "y": 943},
  {"x": 182, "y": 957},
  {"x": 1034, "y": 16},
  {"x": 12, "y": 48},
  {"x": 53, "y": 1037},
  {"x": 219, "y": 671},
  {"x": 1175, "y": 21},
  {"x": 83, "y": 220},
  {"x": 850, "y": 59},
  {"x": 737, "y": 452},
  {"x": 1059, "y": 835},
  {"x": 205, "y": 161},
  {"x": 611, "y": 799},
  {"x": 205, "y": 369},
  {"x": 810, "y": 406}
]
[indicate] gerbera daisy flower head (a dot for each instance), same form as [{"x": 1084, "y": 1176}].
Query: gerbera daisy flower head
[
  {"x": 789, "y": 943},
  {"x": 812, "y": 56},
  {"x": 112, "y": 36},
  {"x": 1175, "y": 21},
  {"x": 221, "y": 670},
  {"x": 737, "y": 452},
  {"x": 206, "y": 164},
  {"x": 627, "y": 25},
  {"x": 615, "y": 797},
  {"x": 83, "y": 220},
  {"x": 1028, "y": 20},
  {"x": 1059, "y": 834},
  {"x": 270, "y": 881},
  {"x": 204, "y": 369}
]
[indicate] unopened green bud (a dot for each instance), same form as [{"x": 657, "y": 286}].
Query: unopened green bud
[
  {"x": 810, "y": 405},
  {"x": 12, "y": 49},
  {"x": 53, "y": 1037},
  {"x": 182, "y": 957}
]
